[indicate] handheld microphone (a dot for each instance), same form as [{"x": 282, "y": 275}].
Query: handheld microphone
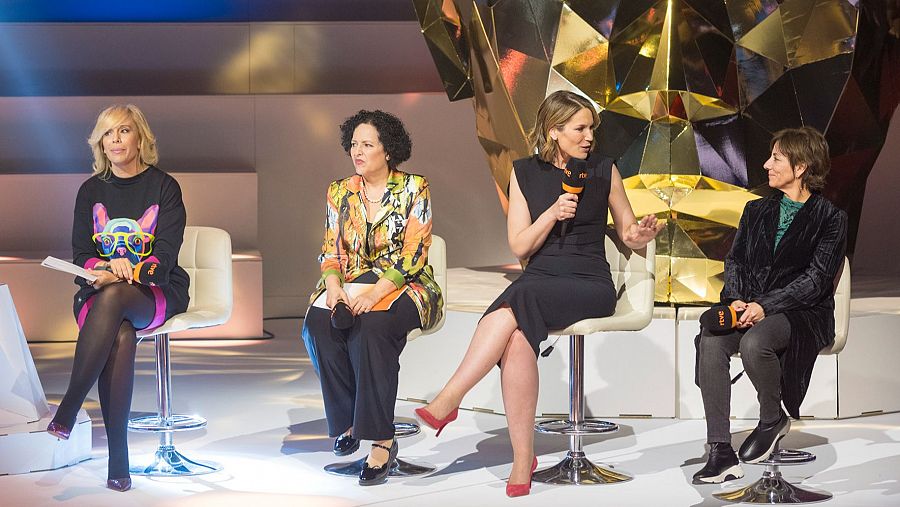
[
  {"x": 341, "y": 316},
  {"x": 720, "y": 319},
  {"x": 574, "y": 176}
]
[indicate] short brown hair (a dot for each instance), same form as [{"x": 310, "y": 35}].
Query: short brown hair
[
  {"x": 805, "y": 145},
  {"x": 554, "y": 112}
]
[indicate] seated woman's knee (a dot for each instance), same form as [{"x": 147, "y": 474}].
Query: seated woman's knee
[
  {"x": 377, "y": 326},
  {"x": 113, "y": 294},
  {"x": 754, "y": 344},
  {"x": 711, "y": 344}
]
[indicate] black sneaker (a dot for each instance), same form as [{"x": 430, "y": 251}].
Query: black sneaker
[
  {"x": 764, "y": 439},
  {"x": 344, "y": 445},
  {"x": 722, "y": 465}
]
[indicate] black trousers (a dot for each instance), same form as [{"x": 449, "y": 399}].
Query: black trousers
[
  {"x": 761, "y": 347},
  {"x": 359, "y": 367}
]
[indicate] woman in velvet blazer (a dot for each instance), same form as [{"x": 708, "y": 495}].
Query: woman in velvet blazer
[{"x": 780, "y": 273}]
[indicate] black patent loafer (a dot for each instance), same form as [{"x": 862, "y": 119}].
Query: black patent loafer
[
  {"x": 372, "y": 476},
  {"x": 722, "y": 465},
  {"x": 344, "y": 445},
  {"x": 764, "y": 439},
  {"x": 121, "y": 485}
]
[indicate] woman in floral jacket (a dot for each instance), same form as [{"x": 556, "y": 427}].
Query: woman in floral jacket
[{"x": 377, "y": 235}]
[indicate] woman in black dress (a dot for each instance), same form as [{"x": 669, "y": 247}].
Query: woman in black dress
[{"x": 567, "y": 278}]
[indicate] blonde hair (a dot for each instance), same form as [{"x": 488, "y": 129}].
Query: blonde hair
[
  {"x": 554, "y": 112},
  {"x": 111, "y": 117}
]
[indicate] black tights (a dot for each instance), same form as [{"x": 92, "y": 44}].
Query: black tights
[{"x": 105, "y": 351}]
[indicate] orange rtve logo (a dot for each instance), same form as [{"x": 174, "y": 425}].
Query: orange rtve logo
[
  {"x": 721, "y": 317},
  {"x": 152, "y": 269}
]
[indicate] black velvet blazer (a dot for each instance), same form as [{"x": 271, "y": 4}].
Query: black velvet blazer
[{"x": 796, "y": 279}]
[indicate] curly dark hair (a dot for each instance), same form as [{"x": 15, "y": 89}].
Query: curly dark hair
[{"x": 391, "y": 133}]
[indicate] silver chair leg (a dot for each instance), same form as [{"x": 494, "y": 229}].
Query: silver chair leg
[
  {"x": 399, "y": 468},
  {"x": 167, "y": 461},
  {"x": 772, "y": 488},
  {"x": 575, "y": 468}
]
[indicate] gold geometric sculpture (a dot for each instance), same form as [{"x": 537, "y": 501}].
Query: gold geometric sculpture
[{"x": 689, "y": 93}]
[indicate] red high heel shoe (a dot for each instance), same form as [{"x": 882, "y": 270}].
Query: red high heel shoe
[
  {"x": 435, "y": 423},
  {"x": 513, "y": 490}
]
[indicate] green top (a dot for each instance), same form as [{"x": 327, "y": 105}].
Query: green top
[{"x": 788, "y": 211}]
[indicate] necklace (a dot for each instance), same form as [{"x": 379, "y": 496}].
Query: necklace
[{"x": 366, "y": 194}]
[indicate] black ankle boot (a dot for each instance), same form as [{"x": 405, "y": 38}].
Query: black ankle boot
[
  {"x": 763, "y": 440},
  {"x": 723, "y": 465},
  {"x": 371, "y": 476}
]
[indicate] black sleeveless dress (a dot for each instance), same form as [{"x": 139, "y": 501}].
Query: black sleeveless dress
[{"x": 568, "y": 278}]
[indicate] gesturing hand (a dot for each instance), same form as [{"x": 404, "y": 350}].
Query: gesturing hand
[
  {"x": 645, "y": 230},
  {"x": 564, "y": 207}
]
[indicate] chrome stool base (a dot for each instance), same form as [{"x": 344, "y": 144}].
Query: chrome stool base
[
  {"x": 575, "y": 468},
  {"x": 567, "y": 427},
  {"x": 772, "y": 488},
  {"x": 400, "y": 468},
  {"x": 168, "y": 462},
  {"x": 406, "y": 429},
  {"x": 579, "y": 470},
  {"x": 154, "y": 423}
]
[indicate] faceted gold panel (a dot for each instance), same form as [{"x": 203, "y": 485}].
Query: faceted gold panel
[{"x": 689, "y": 94}]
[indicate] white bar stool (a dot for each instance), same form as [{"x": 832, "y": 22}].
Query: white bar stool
[
  {"x": 206, "y": 256},
  {"x": 772, "y": 488},
  {"x": 634, "y": 276}
]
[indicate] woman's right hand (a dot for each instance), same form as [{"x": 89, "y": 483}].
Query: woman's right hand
[
  {"x": 335, "y": 293},
  {"x": 104, "y": 278},
  {"x": 564, "y": 207}
]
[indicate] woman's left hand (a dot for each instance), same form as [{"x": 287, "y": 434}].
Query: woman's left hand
[
  {"x": 753, "y": 313},
  {"x": 645, "y": 230},
  {"x": 364, "y": 302}
]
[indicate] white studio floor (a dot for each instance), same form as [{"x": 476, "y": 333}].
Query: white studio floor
[{"x": 267, "y": 428}]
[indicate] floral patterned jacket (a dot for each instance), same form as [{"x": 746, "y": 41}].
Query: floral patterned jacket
[{"x": 397, "y": 246}]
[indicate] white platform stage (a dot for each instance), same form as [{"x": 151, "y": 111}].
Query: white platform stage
[
  {"x": 24, "y": 413},
  {"x": 267, "y": 428},
  {"x": 650, "y": 373}
]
